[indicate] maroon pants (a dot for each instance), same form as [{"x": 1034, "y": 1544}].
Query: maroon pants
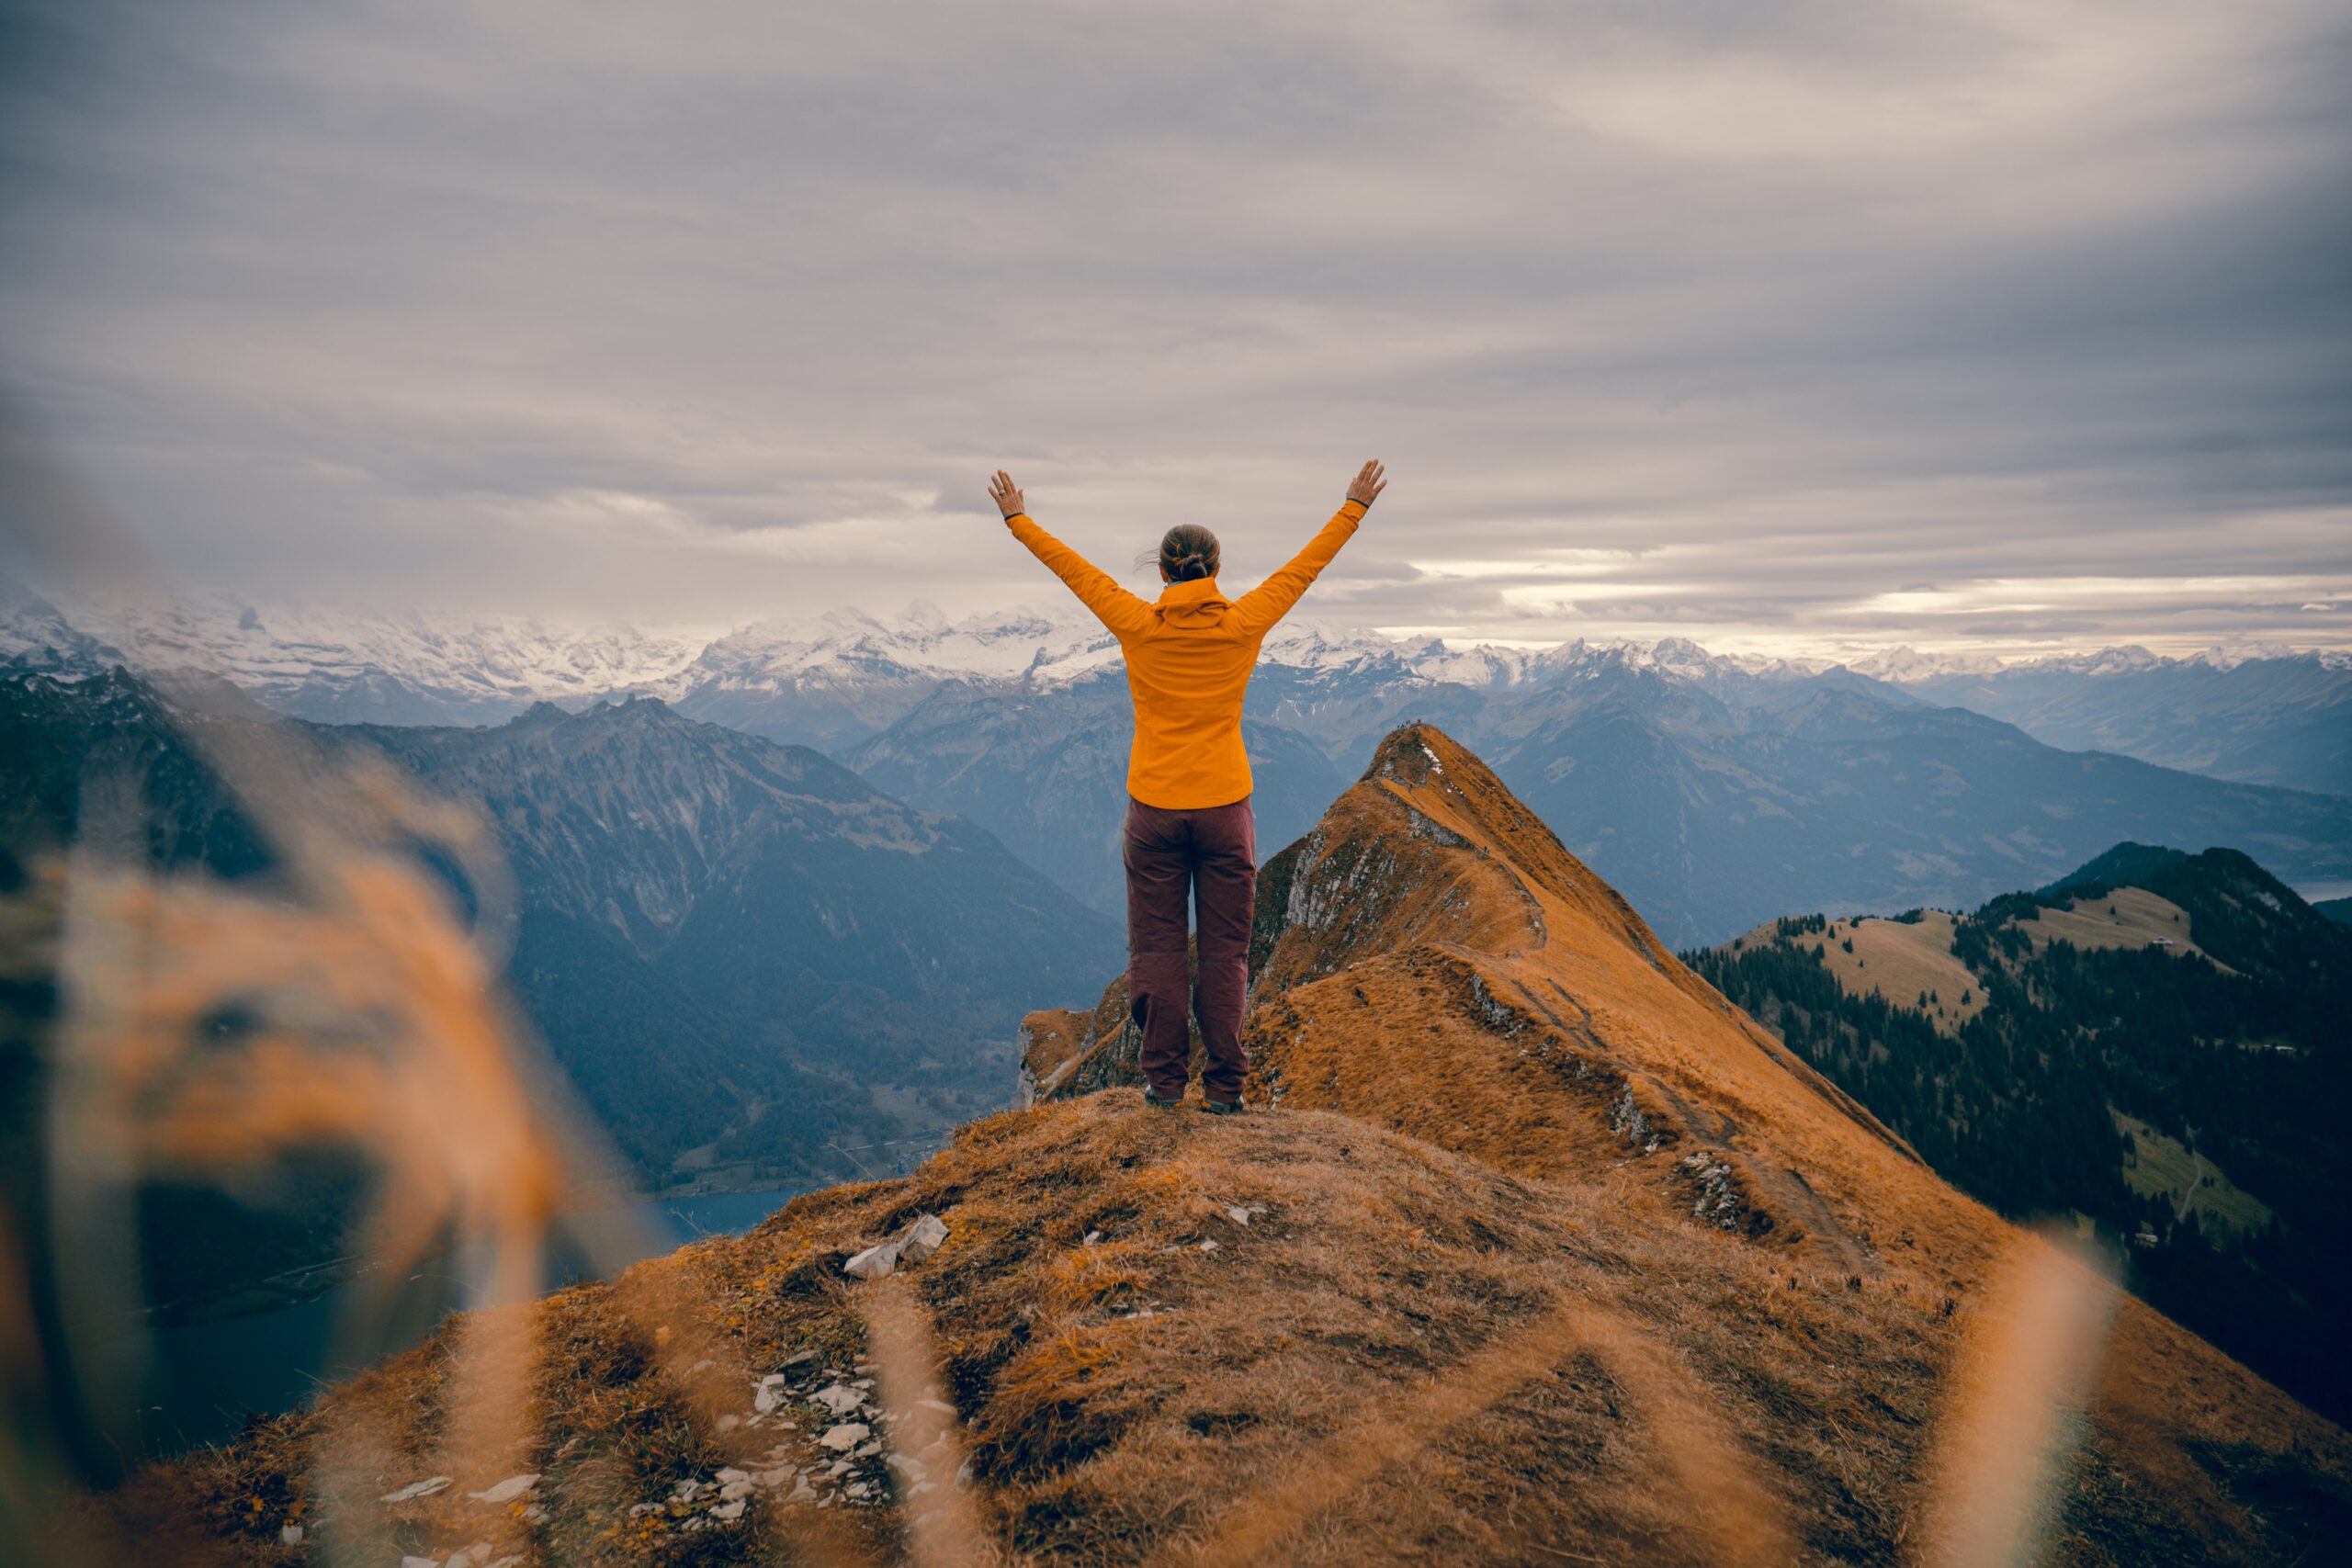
[{"x": 1209, "y": 855}]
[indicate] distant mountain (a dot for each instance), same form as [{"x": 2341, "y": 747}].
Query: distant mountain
[
  {"x": 1716, "y": 791},
  {"x": 2155, "y": 1041},
  {"x": 2335, "y": 909},
  {"x": 2265, "y": 716},
  {"x": 414, "y": 668},
  {"x": 814, "y": 920},
  {"x": 1713, "y": 811},
  {"x": 742, "y": 955}
]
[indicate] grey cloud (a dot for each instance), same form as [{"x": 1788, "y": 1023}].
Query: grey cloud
[{"x": 633, "y": 312}]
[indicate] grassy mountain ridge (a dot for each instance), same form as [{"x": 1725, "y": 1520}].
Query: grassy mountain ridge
[{"x": 1539, "y": 1249}]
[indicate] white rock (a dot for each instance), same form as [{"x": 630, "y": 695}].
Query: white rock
[
  {"x": 799, "y": 1356},
  {"x": 873, "y": 1262},
  {"x": 801, "y": 1491},
  {"x": 475, "y": 1556},
  {"x": 923, "y": 1238},
  {"x": 941, "y": 1405},
  {"x": 291, "y": 1535},
  {"x": 1238, "y": 1216},
  {"x": 1091, "y": 1238},
  {"x": 731, "y": 1475},
  {"x": 733, "y": 1510},
  {"x": 735, "y": 1489},
  {"x": 534, "y": 1514},
  {"x": 1209, "y": 1245},
  {"x": 727, "y": 1423},
  {"x": 768, "y": 1392},
  {"x": 506, "y": 1490},
  {"x": 912, "y": 1468},
  {"x": 859, "y": 1489},
  {"x": 839, "y": 1399},
  {"x": 415, "y": 1489},
  {"x": 848, "y": 1434},
  {"x": 420, "y": 1562}
]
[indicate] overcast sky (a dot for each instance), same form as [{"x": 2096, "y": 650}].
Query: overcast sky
[{"x": 1801, "y": 327}]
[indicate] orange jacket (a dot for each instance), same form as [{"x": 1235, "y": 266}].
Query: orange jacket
[{"x": 1189, "y": 658}]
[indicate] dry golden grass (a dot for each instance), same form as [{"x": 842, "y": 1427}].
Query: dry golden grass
[
  {"x": 1544, "y": 1254},
  {"x": 2124, "y": 916},
  {"x": 1403, "y": 1355},
  {"x": 1463, "y": 1363},
  {"x": 1901, "y": 961}
]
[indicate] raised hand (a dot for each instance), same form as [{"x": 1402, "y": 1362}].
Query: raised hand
[
  {"x": 1005, "y": 493},
  {"x": 1368, "y": 483}
]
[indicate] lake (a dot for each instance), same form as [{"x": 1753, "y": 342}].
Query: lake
[{"x": 210, "y": 1375}]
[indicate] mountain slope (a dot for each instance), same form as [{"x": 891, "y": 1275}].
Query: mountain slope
[
  {"x": 2278, "y": 718},
  {"x": 1433, "y": 959},
  {"x": 815, "y": 917},
  {"x": 1648, "y": 1292},
  {"x": 1714, "y": 819},
  {"x": 2155, "y": 1043}
]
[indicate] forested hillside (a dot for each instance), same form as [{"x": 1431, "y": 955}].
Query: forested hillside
[{"x": 2155, "y": 1043}]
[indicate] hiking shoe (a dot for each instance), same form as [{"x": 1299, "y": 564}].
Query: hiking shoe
[
  {"x": 1160, "y": 1102},
  {"x": 1222, "y": 1107}
]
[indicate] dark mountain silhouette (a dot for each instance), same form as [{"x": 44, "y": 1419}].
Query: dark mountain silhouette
[{"x": 2155, "y": 1042}]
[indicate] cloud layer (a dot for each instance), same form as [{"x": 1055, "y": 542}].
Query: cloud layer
[{"x": 1803, "y": 328}]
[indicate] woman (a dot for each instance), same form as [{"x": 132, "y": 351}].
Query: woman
[{"x": 1189, "y": 832}]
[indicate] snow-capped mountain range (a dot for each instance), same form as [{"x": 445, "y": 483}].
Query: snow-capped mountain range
[
  {"x": 419, "y": 668},
  {"x": 2258, "y": 713},
  {"x": 1906, "y": 666}
]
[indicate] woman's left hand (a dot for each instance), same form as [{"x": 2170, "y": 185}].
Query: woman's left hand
[{"x": 1005, "y": 493}]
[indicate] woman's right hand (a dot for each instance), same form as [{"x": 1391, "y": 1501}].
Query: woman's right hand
[
  {"x": 1005, "y": 493},
  {"x": 1368, "y": 483}
]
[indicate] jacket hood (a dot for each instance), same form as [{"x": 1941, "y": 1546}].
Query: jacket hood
[{"x": 1200, "y": 602}]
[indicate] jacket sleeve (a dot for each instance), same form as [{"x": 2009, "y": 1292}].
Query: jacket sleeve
[
  {"x": 1112, "y": 605},
  {"x": 1269, "y": 601}
]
